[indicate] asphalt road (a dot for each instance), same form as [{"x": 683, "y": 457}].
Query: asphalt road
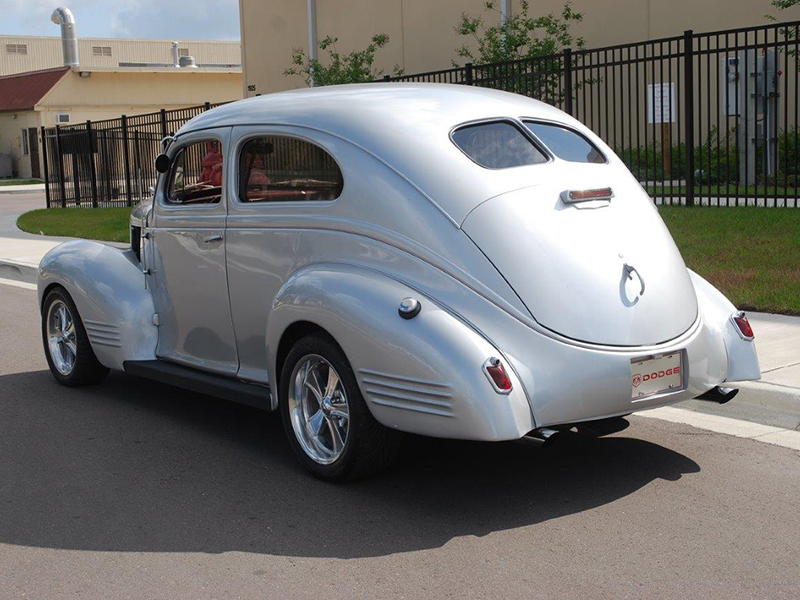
[{"x": 134, "y": 489}]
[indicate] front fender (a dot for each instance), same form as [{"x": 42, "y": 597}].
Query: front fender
[
  {"x": 717, "y": 310},
  {"x": 107, "y": 286},
  {"x": 422, "y": 375}
]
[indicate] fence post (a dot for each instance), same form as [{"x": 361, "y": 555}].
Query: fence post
[
  {"x": 163, "y": 123},
  {"x": 92, "y": 167},
  {"x": 127, "y": 158},
  {"x": 688, "y": 104},
  {"x": 46, "y": 170},
  {"x": 468, "y": 73},
  {"x": 568, "y": 80},
  {"x": 61, "y": 183}
]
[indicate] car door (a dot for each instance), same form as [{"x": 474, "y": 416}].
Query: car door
[
  {"x": 189, "y": 272},
  {"x": 284, "y": 181}
]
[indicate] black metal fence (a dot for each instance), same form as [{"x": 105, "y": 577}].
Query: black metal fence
[
  {"x": 107, "y": 163},
  {"x": 708, "y": 118}
]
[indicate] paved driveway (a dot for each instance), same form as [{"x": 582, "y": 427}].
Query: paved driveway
[{"x": 134, "y": 489}]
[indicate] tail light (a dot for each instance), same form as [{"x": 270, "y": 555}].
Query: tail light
[
  {"x": 498, "y": 376},
  {"x": 742, "y": 325},
  {"x": 573, "y": 196}
]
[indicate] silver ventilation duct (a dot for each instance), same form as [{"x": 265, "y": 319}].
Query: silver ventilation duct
[
  {"x": 187, "y": 62},
  {"x": 176, "y": 61},
  {"x": 69, "y": 38}
]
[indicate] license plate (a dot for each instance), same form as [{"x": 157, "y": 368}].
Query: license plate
[{"x": 656, "y": 375}]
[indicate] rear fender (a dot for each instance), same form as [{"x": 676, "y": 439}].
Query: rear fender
[
  {"x": 422, "y": 375},
  {"x": 717, "y": 310},
  {"x": 108, "y": 289}
]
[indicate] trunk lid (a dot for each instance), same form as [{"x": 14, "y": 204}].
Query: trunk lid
[{"x": 603, "y": 272}]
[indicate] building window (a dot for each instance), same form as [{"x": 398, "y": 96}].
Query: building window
[
  {"x": 183, "y": 52},
  {"x": 62, "y": 118},
  {"x": 17, "y": 48},
  {"x": 24, "y": 142},
  {"x": 101, "y": 50}
]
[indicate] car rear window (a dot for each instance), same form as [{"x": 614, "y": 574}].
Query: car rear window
[
  {"x": 497, "y": 145},
  {"x": 565, "y": 143}
]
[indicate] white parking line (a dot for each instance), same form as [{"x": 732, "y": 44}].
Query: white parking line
[
  {"x": 744, "y": 429},
  {"x": 20, "y": 284}
]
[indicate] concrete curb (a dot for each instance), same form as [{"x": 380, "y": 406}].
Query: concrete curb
[
  {"x": 18, "y": 271},
  {"x": 19, "y": 189}
]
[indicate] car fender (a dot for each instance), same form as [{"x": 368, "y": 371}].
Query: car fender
[
  {"x": 422, "y": 375},
  {"x": 108, "y": 288},
  {"x": 717, "y": 311}
]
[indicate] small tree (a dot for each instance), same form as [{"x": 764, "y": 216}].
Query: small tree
[
  {"x": 541, "y": 40},
  {"x": 521, "y": 36},
  {"x": 355, "y": 67}
]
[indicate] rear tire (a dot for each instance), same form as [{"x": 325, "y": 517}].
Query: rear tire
[
  {"x": 66, "y": 346},
  {"x": 329, "y": 426}
]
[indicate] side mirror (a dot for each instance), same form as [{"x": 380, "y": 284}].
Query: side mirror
[{"x": 163, "y": 163}]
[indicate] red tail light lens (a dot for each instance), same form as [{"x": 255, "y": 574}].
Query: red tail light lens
[
  {"x": 743, "y": 325},
  {"x": 497, "y": 374}
]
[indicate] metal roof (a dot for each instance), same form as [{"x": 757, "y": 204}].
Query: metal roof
[{"x": 23, "y": 91}]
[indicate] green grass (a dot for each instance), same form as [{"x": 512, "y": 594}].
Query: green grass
[
  {"x": 750, "y": 254},
  {"x": 109, "y": 224},
  {"x": 731, "y": 191},
  {"x": 19, "y": 181}
]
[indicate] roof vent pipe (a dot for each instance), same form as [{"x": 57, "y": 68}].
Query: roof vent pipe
[
  {"x": 176, "y": 61},
  {"x": 69, "y": 38},
  {"x": 187, "y": 62}
]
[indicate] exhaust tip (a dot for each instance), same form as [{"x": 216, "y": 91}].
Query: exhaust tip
[{"x": 719, "y": 394}]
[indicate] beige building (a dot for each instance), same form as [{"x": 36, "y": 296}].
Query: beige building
[
  {"x": 47, "y": 81},
  {"x": 67, "y": 95},
  {"x": 21, "y": 54},
  {"x": 422, "y": 36}
]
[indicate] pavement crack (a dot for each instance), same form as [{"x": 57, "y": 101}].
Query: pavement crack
[{"x": 794, "y": 364}]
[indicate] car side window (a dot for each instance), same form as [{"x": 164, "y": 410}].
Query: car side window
[
  {"x": 497, "y": 145},
  {"x": 196, "y": 176},
  {"x": 284, "y": 169},
  {"x": 566, "y": 144}
]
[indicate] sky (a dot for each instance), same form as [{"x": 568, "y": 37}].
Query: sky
[{"x": 161, "y": 19}]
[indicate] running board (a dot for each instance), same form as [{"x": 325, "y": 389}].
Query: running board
[{"x": 201, "y": 382}]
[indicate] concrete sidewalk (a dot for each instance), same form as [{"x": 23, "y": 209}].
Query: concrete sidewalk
[
  {"x": 778, "y": 345},
  {"x": 22, "y": 189},
  {"x": 20, "y": 252}
]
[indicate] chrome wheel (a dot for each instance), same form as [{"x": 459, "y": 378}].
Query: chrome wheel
[
  {"x": 61, "y": 338},
  {"x": 318, "y": 409}
]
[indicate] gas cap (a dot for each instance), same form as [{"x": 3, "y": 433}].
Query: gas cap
[{"x": 409, "y": 308}]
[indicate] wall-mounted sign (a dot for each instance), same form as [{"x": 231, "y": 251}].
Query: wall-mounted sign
[{"x": 661, "y": 107}]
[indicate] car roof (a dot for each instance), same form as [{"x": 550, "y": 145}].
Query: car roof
[{"x": 405, "y": 125}]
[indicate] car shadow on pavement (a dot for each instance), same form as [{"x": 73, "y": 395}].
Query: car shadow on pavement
[{"x": 132, "y": 465}]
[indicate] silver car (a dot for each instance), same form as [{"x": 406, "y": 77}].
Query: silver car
[{"x": 368, "y": 260}]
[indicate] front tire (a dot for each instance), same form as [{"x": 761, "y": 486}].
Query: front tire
[
  {"x": 66, "y": 346},
  {"x": 329, "y": 426}
]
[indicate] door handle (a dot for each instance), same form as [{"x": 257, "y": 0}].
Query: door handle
[{"x": 213, "y": 238}]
